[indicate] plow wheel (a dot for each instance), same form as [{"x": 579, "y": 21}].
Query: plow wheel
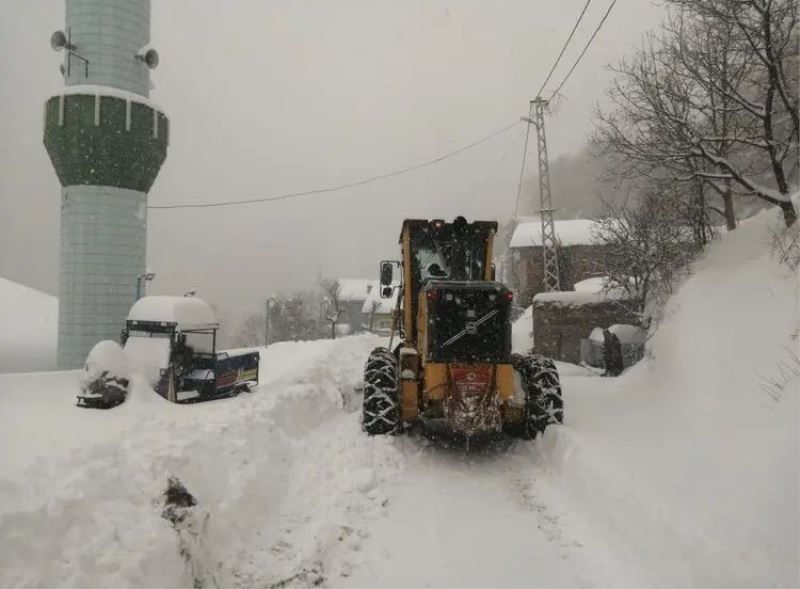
[
  {"x": 543, "y": 403},
  {"x": 381, "y": 407}
]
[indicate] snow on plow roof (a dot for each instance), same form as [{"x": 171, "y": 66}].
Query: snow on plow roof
[
  {"x": 186, "y": 312},
  {"x": 571, "y": 232}
]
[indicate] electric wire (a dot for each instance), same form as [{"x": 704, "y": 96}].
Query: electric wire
[
  {"x": 564, "y": 48},
  {"x": 585, "y": 48},
  {"x": 473, "y": 190},
  {"x": 341, "y": 186},
  {"x": 538, "y": 94}
]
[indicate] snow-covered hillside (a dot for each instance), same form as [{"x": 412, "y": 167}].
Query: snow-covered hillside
[
  {"x": 695, "y": 453},
  {"x": 682, "y": 472},
  {"x": 29, "y": 321}
]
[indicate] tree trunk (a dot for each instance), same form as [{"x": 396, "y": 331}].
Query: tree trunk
[
  {"x": 730, "y": 214},
  {"x": 789, "y": 213}
]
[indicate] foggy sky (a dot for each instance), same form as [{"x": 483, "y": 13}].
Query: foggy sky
[{"x": 267, "y": 97}]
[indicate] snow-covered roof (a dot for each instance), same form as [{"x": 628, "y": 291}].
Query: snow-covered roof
[
  {"x": 385, "y": 306},
  {"x": 573, "y": 298},
  {"x": 595, "y": 284},
  {"x": 572, "y": 232},
  {"x": 355, "y": 289},
  {"x": 186, "y": 312}
]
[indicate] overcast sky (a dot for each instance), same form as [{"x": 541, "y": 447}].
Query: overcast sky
[{"x": 266, "y": 97}]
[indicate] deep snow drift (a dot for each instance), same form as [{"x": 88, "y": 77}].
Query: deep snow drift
[
  {"x": 682, "y": 472},
  {"x": 28, "y": 327},
  {"x": 694, "y": 453}
]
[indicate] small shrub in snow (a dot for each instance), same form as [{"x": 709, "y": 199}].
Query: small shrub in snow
[
  {"x": 786, "y": 246},
  {"x": 106, "y": 374}
]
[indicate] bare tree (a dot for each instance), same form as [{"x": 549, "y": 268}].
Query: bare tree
[
  {"x": 251, "y": 331},
  {"x": 646, "y": 249},
  {"x": 707, "y": 100},
  {"x": 291, "y": 318},
  {"x": 332, "y": 309}
]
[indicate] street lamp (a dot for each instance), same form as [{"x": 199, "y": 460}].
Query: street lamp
[{"x": 146, "y": 276}]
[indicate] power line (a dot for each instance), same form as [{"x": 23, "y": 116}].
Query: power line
[
  {"x": 538, "y": 94},
  {"x": 342, "y": 186},
  {"x": 564, "y": 48},
  {"x": 586, "y": 47},
  {"x": 473, "y": 189}
]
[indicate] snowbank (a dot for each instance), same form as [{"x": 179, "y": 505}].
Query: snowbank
[
  {"x": 688, "y": 464},
  {"x": 28, "y": 328},
  {"x": 285, "y": 475}
]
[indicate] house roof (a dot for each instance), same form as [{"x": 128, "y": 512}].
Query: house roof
[
  {"x": 187, "y": 312},
  {"x": 571, "y": 232},
  {"x": 355, "y": 289},
  {"x": 385, "y": 306}
]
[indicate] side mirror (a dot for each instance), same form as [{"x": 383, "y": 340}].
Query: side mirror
[{"x": 387, "y": 272}]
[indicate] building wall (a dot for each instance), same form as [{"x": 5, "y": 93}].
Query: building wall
[
  {"x": 103, "y": 237},
  {"x": 109, "y": 33},
  {"x": 352, "y": 315},
  {"x": 578, "y": 262},
  {"x": 107, "y": 143},
  {"x": 558, "y": 328}
]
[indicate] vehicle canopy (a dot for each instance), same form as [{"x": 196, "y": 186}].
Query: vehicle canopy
[
  {"x": 185, "y": 314},
  {"x": 160, "y": 327}
]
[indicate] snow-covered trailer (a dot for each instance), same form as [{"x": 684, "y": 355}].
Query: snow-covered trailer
[{"x": 173, "y": 340}]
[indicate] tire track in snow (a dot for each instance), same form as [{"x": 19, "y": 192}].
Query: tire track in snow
[{"x": 463, "y": 519}]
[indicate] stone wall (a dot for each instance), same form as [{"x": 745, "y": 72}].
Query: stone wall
[{"x": 558, "y": 327}]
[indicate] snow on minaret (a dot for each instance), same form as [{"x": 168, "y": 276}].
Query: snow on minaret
[{"x": 107, "y": 142}]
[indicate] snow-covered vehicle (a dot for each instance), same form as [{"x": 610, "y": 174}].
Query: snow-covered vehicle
[
  {"x": 105, "y": 378},
  {"x": 454, "y": 367},
  {"x": 173, "y": 342}
]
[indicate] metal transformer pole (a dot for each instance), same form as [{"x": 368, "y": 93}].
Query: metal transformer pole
[{"x": 549, "y": 243}]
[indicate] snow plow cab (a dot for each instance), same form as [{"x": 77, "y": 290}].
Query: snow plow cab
[
  {"x": 454, "y": 365},
  {"x": 173, "y": 341}
]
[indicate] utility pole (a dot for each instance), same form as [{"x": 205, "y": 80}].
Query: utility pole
[{"x": 549, "y": 244}]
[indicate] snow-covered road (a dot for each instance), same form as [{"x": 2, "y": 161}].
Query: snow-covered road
[
  {"x": 293, "y": 490},
  {"x": 683, "y": 472},
  {"x": 470, "y": 520}
]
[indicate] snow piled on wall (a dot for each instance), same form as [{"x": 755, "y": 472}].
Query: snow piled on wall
[{"x": 28, "y": 328}]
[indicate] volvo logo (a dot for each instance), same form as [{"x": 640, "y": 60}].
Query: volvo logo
[{"x": 471, "y": 328}]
